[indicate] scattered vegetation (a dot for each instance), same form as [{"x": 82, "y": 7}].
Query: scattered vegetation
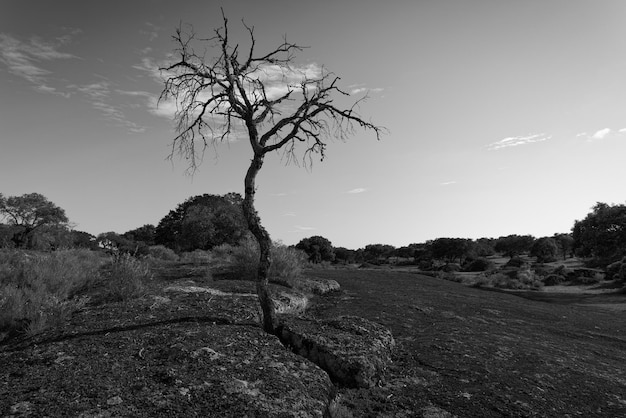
[
  {"x": 46, "y": 269},
  {"x": 38, "y": 290},
  {"x": 517, "y": 280},
  {"x": 162, "y": 253},
  {"x": 287, "y": 262}
]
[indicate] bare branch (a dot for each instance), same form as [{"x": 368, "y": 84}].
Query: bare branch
[{"x": 215, "y": 99}]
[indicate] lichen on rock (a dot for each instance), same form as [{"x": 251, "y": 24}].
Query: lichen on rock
[{"x": 354, "y": 351}]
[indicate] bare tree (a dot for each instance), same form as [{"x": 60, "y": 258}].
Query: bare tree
[{"x": 264, "y": 97}]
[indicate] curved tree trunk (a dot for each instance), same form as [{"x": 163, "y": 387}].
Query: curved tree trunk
[{"x": 265, "y": 243}]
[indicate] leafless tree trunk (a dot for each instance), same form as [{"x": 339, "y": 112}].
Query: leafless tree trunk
[
  {"x": 276, "y": 103},
  {"x": 265, "y": 245}
]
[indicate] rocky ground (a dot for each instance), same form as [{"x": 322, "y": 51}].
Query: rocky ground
[
  {"x": 468, "y": 352},
  {"x": 192, "y": 347}
]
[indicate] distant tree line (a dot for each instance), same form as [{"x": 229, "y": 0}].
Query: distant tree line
[
  {"x": 441, "y": 250},
  {"x": 206, "y": 221}
]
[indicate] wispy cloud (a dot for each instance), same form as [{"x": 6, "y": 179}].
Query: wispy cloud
[
  {"x": 601, "y": 134},
  {"x": 514, "y": 141},
  {"x": 99, "y": 95},
  {"x": 152, "y": 32},
  {"x": 357, "y": 190},
  {"x": 447, "y": 183},
  {"x": 300, "y": 228},
  {"x": 26, "y": 59},
  {"x": 360, "y": 90},
  {"x": 290, "y": 214}
]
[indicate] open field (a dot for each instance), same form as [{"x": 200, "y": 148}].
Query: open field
[{"x": 473, "y": 353}]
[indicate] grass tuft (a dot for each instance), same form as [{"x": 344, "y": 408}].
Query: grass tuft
[{"x": 125, "y": 278}]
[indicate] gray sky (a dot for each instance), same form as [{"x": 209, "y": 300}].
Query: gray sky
[{"x": 504, "y": 116}]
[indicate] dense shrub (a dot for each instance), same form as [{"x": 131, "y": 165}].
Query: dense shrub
[
  {"x": 545, "y": 249},
  {"x": 196, "y": 257},
  {"x": 525, "y": 279},
  {"x": 480, "y": 264},
  {"x": 450, "y": 276},
  {"x": 425, "y": 265},
  {"x": 203, "y": 222},
  {"x": 317, "y": 248},
  {"x": 286, "y": 265},
  {"x": 39, "y": 290},
  {"x": 516, "y": 262},
  {"x": 543, "y": 270},
  {"x": 568, "y": 274},
  {"x": 553, "y": 279},
  {"x": 617, "y": 270},
  {"x": 161, "y": 252},
  {"x": 451, "y": 268},
  {"x": 125, "y": 278}
]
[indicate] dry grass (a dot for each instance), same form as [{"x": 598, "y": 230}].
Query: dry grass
[
  {"x": 125, "y": 278},
  {"x": 242, "y": 262},
  {"x": 39, "y": 290}
]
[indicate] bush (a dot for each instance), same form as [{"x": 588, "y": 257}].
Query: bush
[
  {"x": 40, "y": 290},
  {"x": 480, "y": 264},
  {"x": 244, "y": 261},
  {"x": 196, "y": 257},
  {"x": 543, "y": 269},
  {"x": 525, "y": 279},
  {"x": 451, "y": 268},
  {"x": 450, "y": 276},
  {"x": 586, "y": 280},
  {"x": 553, "y": 279},
  {"x": 222, "y": 254},
  {"x": 125, "y": 278},
  {"x": 617, "y": 270},
  {"x": 516, "y": 262},
  {"x": 568, "y": 274},
  {"x": 286, "y": 265},
  {"x": 161, "y": 252}
]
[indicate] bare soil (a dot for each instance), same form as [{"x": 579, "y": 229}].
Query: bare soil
[{"x": 468, "y": 352}]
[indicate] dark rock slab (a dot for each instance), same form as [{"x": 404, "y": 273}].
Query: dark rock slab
[
  {"x": 163, "y": 370},
  {"x": 354, "y": 351}
]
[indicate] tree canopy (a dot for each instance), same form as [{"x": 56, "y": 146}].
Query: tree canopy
[
  {"x": 317, "y": 248},
  {"x": 203, "y": 222},
  {"x": 513, "y": 245},
  {"x": 28, "y": 213},
  {"x": 451, "y": 249},
  {"x": 145, "y": 234},
  {"x": 545, "y": 249},
  {"x": 602, "y": 234}
]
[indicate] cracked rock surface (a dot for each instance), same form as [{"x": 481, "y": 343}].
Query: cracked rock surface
[
  {"x": 185, "y": 352},
  {"x": 354, "y": 351}
]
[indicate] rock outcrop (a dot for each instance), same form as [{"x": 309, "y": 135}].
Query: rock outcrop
[{"x": 352, "y": 350}]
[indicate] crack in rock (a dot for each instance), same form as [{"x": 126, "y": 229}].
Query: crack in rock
[{"x": 352, "y": 350}]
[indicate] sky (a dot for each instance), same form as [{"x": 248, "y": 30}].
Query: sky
[{"x": 503, "y": 117}]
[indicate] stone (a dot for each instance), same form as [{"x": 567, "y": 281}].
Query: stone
[{"x": 354, "y": 352}]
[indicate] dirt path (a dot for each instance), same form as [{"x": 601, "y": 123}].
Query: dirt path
[{"x": 471, "y": 353}]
